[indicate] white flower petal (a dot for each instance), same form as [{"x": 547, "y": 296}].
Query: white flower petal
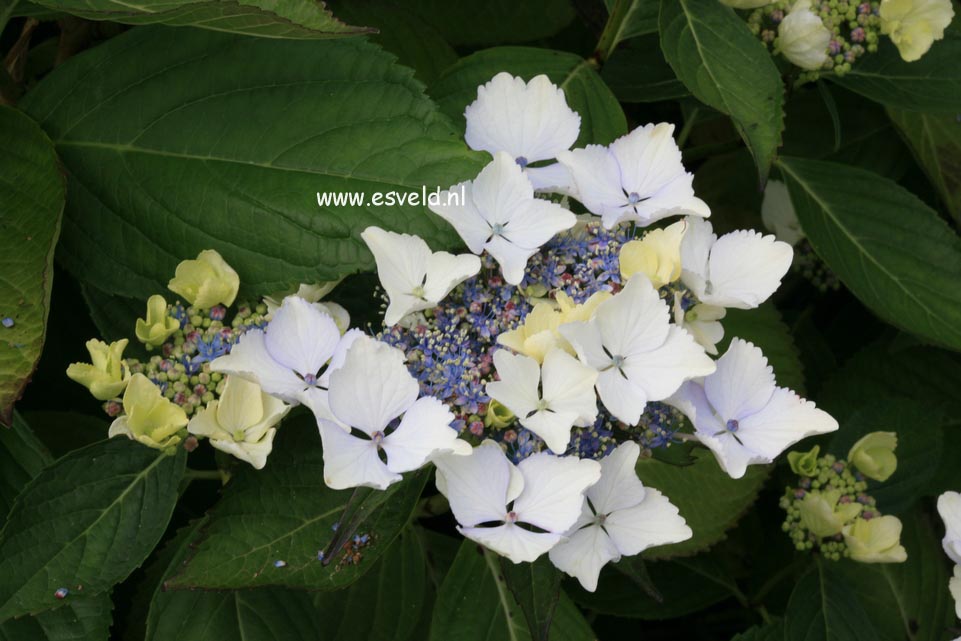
[
  {"x": 785, "y": 420},
  {"x": 253, "y": 452},
  {"x": 568, "y": 386},
  {"x": 743, "y": 382},
  {"x": 585, "y": 338},
  {"x": 620, "y": 396},
  {"x": 500, "y": 189},
  {"x": 350, "y": 461},
  {"x": 635, "y": 320},
  {"x": 517, "y": 388},
  {"x": 954, "y": 585},
  {"x": 583, "y": 555},
  {"x": 424, "y": 431},
  {"x": 695, "y": 253},
  {"x": 517, "y": 544},
  {"x": 373, "y": 386},
  {"x": 745, "y": 268},
  {"x": 949, "y": 507},
  {"x": 477, "y": 485},
  {"x": 512, "y": 258},
  {"x": 301, "y": 337},
  {"x": 597, "y": 179},
  {"x": 536, "y": 222},
  {"x": 249, "y": 359},
  {"x": 554, "y": 489},
  {"x": 654, "y": 522},
  {"x": 529, "y": 120},
  {"x": 778, "y": 214},
  {"x": 733, "y": 457},
  {"x": 619, "y": 488},
  {"x": 464, "y": 217},
  {"x": 660, "y": 371},
  {"x": 554, "y": 178},
  {"x": 241, "y": 404},
  {"x": 446, "y": 271},
  {"x": 553, "y": 427}
]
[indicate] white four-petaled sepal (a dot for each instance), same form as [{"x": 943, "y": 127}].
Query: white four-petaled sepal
[
  {"x": 620, "y": 517},
  {"x": 414, "y": 277},
  {"x": 364, "y": 442},
  {"x": 743, "y": 416},
  {"x": 550, "y": 399},
  {"x": 949, "y": 507},
  {"x": 520, "y": 511},
  {"x": 529, "y": 121},
  {"x": 638, "y": 354},
  {"x": 502, "y": 216},
  {"x": 740, "y": 269},
  {"x": 639, "y": 177}
]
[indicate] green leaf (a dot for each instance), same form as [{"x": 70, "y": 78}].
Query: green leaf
[
  {"x": 536, "y": 587},
  {"x": 416, "y": 44},
  {"x": 763, "y": 327},
  {"x": 685, "y": 586},
  {"x": 493, "y": 22},
  {"x": 715, "y": 55},
  {"x": 602, "y": 119},
  {"x": 475, "y": 604},
  {"x": 637, "y": 72},
  {"x": 929, "y": 84},
  {"x": 22, "y": 457},
  {"x": 85, "y": 522},
  {"x": 889, "y": 248},
  {"x": 627, "y": 19},
  {"x": 920, "y": 445},
  {"x": 907, "y": 600},
  {"x": 286, "y": 513},
  {"x": 710, "y": 500},
  {"x": 210, "y": 143},
  {"x": 767, "y": 632},
  {"x": 31, "y": 199},
  {"x": 823, "y": 608},
  {"x": 298, "y": 19},
  {"x": 62, "y": 432},
  {"x": 386, "y": 604},
  {"x": 82, "y": 618},
  {"x": 935, "y": 140}
]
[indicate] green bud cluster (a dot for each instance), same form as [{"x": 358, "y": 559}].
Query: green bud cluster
[
  {"x": 855, "y": 30},
  {"x": 827, "y": 474},
  {"x": 812, "y": 268},
  {"x": 182, "y": 368}
]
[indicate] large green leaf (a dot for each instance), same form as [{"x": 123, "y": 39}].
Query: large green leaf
[
  {"x": 475, "y": 604},
  {"x": 715, "y": 55},
  {"x": 935, "y": 140},
  {"x": 929, "y": 84},
  {"x": 494, "y": 22},
  {"x": 31, "y": 204},
  {"x": 907, "y": 600},
  {"x": 919, "y": 427},
  {"x": 285, "y": 513},
  {"x": 637, "y": 72},
  {"x": 773, "y": 631},
  {"x": 300, "y": 19},
  {"x": 22, "y": 457},
  {"x": 709, "y": 499},
  {"x": 889, "y": 248},
  {"x": 536, "y": 588},
  {"x": 602, "y": 119},
  {"x": 85, "y": 522},
  {"x": 83, "y": 618},
  {"x": 403, "y": 33},
  {"x": 823, "y": 608},
  {"x": 223, "y": 142},
  {"x": 763, "y": 327}
]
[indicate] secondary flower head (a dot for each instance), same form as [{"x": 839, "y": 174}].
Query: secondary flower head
[
  {"x": 529, "y": 121},
  {"x": 914, "y": 25},
  {"x": 491, "y": 498},
  {"x": 206, "y": 281},
  {"x": 822, "y": 514},
  {"x": 620, "y": 517},
  {"x": 873, "y": 455},
  {"x": 548, "y": 400},
  {"x": 639, "y": 177},
  {"x": 292, "y": 358},
  {"x": 657, "y": 255},
  {"x": 778, "y": 214},
  {"x": 415, "y": 278},
  {"x": 367, "y": 395},
  {"x": 743, "y": 416},
  {"x": 639, "y": 355},
  {"x": 740, "y": 269},
  {"x": 539, "y": 332},
  {"x": 876, "y": 540},
  {"x": 148, "y": 417},
  {"x": 158, "y": 326},
  {"x": 241, "y": 422},
  {"x": 107, "y": 376},
  {"x": 502, "y": 216},
  {"x": 803, "y": 38},
  {"x": 949, "y": 507}
]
